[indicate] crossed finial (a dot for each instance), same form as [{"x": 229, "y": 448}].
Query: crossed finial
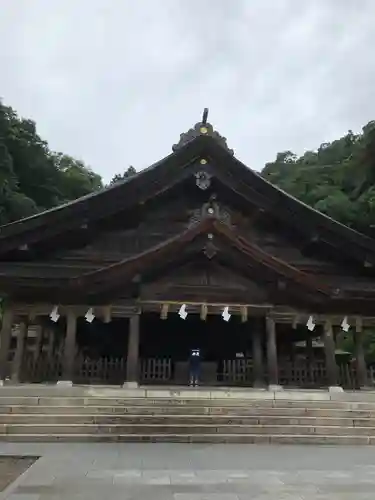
[{"x": 205, "y": 115}]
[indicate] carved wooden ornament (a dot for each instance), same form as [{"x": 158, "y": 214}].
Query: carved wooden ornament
[{"x": 203, "y": 180}]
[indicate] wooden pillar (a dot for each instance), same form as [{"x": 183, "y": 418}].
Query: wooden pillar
[
  {"x": 273, "y": 372},
  {"x": 50, "y": 333},
  {"x": 132, "y": 363},
  {"x": 5, "y": 339},
  {"x": 69, "y": 347},
  {"x": 258, "y": 370},
  {"x": 310, "y": 359},
  {"x": 329, "y": 350},
  {"x": 38, "y": 342},
  {"x": 360, "y": 355},
  {"x": 20, "y": 350}
]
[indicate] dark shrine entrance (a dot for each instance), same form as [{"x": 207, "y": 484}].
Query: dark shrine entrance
[
  {"x": 102, "y": 350},
  {"x": 175, "y": 337},
  {"x": 97, "y": 339},
  {"x": 165, "y": 348}
]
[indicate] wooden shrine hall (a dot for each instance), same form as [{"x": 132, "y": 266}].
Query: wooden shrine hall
[{"x": 92, "y": 290}]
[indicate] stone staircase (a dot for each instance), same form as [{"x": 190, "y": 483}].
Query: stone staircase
[{"x": 79, "y": 414}]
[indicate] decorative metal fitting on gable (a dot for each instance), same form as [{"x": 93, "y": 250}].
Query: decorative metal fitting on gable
[
  {"x": 210, "y": 209},
  {"x": 210, "y": 249},
  {"x": 203, "y": 179},
  {"x": 202, "y": 128},
  {"x": 213, "y": 209}
]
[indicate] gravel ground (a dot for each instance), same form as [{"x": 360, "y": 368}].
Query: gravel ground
[{"x": 11, "y": 468}]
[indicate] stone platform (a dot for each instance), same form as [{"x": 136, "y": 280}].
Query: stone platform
[
  {"x": 120, "y": 471},
  {"x": 47, "y": 413}
]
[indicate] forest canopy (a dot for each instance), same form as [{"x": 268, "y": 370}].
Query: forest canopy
[
  {"x": 32, "y": 177},
  {"x": 337, "y": 179}
]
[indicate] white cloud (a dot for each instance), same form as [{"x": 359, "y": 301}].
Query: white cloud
[{"x": 114, "y": 83}]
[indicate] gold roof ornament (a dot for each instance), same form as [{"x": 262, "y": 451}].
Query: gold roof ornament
[{"x": 202, "y": 128}]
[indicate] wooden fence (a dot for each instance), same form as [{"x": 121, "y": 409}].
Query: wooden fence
[
  {"x": 236, "y": 372},
  {"x": 44, "y": 369},
  {"x": 104, "y": 370},
  {"x": 232, "y": 372},
  {"x": 240, "y": 372},
  {"x": 156, "y": 370}
]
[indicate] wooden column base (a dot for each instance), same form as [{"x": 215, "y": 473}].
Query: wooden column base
[
  {"x": 64, "y": 383},
  {"x": 275, "y": 388},
  {"x": 335, "y": 388},
  {"x": 130, "y": 385}
]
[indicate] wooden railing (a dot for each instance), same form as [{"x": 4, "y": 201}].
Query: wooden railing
[
  {"x": 44, "y": 369},
  {"x": 231, "y": 372},
  {"x": 299, "y": 374},
  {"x": 302, "y": 375},
  {"x": 236, "y": 372},
  {"x": 104, "y": 370},
  {"x": 156, "y": 370}
]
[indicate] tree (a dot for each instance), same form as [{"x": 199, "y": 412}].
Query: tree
[
  {"x": 32, "y": 178},
  {"x": 129, "y": 172},
  {"x": 337, "y": 179},
  {"x": 76, "y": 179},
  {"x": 345, "y": 341}
]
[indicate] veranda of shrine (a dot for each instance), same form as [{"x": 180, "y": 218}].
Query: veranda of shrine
[{"x": 92, "y": 289}]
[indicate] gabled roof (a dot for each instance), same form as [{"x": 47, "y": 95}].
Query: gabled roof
[
  {"x": 248, "y": 256},
  {"x": 127, "y": 268},
  {"x": 200, "y": 142}
]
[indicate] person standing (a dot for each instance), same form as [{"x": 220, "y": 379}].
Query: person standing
[{"x": 195, "y": 363}]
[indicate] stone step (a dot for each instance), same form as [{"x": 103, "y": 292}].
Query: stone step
[
  {"x": 6, "y": 401},
  {"x": 186, "y": 416},
  {"x": 105, "y": 401},
  {"x": 187, "y": 409},
  {"x": 166, "y": 428},
  {"x": 125, "y": 401},
  {"x": 312, "y": 439},
  {"x": 183, "y": 392},
  {"x": 218, "y": 420}
]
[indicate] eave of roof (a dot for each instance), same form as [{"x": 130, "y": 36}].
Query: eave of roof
[
  {"x": 127, "y": 268},
  {"x": 173, "y": 166}
]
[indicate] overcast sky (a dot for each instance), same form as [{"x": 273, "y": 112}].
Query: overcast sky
[{"x": 114, "y": 82}]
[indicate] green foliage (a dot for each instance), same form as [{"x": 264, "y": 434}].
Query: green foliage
[
  {"x": 129, "y": 172},
  {"x": 345, "y": 341},
  {"x": 337, "y": 179},
  {"x": 32, "y": 178},
  {"x": 76, "y": 179}
]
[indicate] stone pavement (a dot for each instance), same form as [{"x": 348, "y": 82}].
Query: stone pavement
[{"x": 192, "y": 472}]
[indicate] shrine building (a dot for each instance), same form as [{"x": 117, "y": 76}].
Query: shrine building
[{"x": 93, "y": 290}]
